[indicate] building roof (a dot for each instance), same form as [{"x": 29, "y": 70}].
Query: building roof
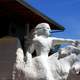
[{"x": 26, "y": 12}]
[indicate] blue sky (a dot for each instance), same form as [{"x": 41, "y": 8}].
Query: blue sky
[{"x": 64, "y": 12}]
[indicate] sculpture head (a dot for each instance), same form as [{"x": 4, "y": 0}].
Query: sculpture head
[{"x": 42, "y": 29}]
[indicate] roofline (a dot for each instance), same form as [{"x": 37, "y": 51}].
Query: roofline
[{"x": 41, "y": 14}]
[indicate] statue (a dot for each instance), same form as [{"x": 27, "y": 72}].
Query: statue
[{"x": 44, "y": 67}]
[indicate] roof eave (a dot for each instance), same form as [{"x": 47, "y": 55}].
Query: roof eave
[{"x": 41, "y": 14}]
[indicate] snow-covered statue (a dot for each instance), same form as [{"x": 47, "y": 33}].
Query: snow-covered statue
[
  {"x": 42, "y": 43},
  {"x": 43, "y": 67}
]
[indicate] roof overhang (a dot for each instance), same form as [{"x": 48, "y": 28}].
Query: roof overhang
[{"x": 26, "y": 12}]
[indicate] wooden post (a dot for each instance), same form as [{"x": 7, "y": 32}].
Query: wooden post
[{"x": 26, "y": 37}]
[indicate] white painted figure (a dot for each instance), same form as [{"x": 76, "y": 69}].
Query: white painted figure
[
  {"x": 44, "y": 67},
  {"x": 42, "y": 43}
]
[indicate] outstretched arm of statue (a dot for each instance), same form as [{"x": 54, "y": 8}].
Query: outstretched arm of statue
[
  {"x": 29, "y": 53},
  {"x": 63, "y": 41}
]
